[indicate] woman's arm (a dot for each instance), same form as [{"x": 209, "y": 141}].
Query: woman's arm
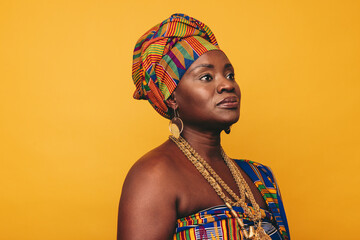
[{"x": 147, "y": 208}]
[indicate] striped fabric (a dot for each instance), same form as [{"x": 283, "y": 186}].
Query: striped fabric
[
  {"x": 218, "y": 223},
  {"x": 164, "y": 53}
]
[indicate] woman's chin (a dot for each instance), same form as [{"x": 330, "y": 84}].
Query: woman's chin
[
  {"x": 230, "y": 119},
  {"x": 225, "y": 123}
]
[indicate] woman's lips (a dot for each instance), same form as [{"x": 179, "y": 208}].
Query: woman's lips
[{"x": 229, "y": 102}]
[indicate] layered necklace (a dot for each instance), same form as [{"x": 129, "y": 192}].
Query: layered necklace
[{"x": 219, "y": 185}]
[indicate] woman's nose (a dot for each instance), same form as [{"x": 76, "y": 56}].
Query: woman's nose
[{"x": 226, "y": 85}]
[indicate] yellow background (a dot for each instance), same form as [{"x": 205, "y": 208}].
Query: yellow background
[{"x": 70, "y": 130}]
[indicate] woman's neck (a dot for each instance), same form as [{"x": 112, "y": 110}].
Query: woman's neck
[{"x": 205, "y": 143}]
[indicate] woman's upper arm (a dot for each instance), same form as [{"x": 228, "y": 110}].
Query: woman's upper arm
[{"x": 147, "y": 208}]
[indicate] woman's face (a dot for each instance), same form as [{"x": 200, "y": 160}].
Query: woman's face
[{"x": 207, "y": 95}]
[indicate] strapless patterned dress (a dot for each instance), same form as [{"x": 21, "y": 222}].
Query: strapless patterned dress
[{"x": 217, "y": 223}]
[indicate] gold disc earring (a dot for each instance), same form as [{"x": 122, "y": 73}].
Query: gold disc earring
[{"x": 176, "y": 125}]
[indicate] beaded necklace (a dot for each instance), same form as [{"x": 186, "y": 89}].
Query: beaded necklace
[{"x": 218, "y": 184}]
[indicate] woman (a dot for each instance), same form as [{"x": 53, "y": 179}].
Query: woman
[{"x": 187, "y": 188}]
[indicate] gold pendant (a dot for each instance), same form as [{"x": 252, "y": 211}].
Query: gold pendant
[
  {"x": 260, "y": 234},
  {"x": 251, "y": 232},
  {"x": 174, "y": 129}
]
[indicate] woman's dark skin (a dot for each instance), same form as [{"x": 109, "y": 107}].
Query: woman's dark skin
[{"x": 164, "y": 185}]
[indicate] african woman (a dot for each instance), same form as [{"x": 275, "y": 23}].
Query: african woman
[{"x": 188, "y": 188}]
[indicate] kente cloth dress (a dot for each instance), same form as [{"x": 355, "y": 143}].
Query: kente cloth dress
[{"x": 217, "y": 223}]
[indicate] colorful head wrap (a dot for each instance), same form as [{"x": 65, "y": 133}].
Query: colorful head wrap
[{"x": 164, "y": 53}]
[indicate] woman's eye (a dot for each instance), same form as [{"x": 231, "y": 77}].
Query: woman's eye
[
  {"x": 231, "y": 76},
  {"x": 206, "y": 77}
]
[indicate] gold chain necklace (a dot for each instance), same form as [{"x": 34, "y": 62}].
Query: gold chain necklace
[{"x": 218, "y": 184}]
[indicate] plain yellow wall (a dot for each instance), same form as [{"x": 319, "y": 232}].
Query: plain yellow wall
[{"x": 70, "y": 130}]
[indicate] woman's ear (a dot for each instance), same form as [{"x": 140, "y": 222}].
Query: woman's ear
[{"x": 171, "y": 102}]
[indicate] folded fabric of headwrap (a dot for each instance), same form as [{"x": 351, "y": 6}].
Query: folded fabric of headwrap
[{"x": 164, "y": 53}]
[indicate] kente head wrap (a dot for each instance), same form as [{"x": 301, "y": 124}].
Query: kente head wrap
[{"x": 164, "y": 53}]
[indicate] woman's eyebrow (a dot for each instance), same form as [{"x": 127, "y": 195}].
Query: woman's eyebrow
[
  {"x": 228, "y": 65},
  {"x": 203, "y": 66}
]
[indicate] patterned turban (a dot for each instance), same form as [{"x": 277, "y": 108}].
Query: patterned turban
[{"x": 164, "y": 53}]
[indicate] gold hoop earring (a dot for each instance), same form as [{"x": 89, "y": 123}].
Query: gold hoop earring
[{"x": 176, "y": 125}]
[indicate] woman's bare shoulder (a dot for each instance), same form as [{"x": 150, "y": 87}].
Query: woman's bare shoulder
[
  {"x": 155, "y": 164},
  {"x": 154, "y": 172},
  {"x": 149, "y": 192}
]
